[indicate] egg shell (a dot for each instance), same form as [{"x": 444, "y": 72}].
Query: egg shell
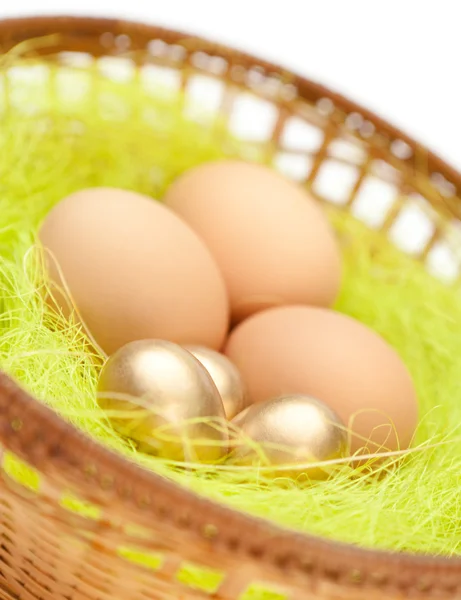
[
  {"x": 290, "y": 430},
  {"x": 226, "y": 377},
  {"x": 269, "y": 237},
  {"x": 134, "y": 269},
  {"x": 160, "y": 388},
  {"x": 332, "y": 357}
]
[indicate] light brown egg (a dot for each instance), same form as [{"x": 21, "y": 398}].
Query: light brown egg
[
  {"x": 134, "y": 269},
  {"x": 226, "y": 377},
  {"x": 269, "y": 237},
  {"x": 161, "y": 396},
  {"x": 324, "y": 354},
  {"x": 291, "y": 431}
]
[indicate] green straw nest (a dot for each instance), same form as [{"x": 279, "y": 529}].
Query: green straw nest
[{"x": 142, "y": 143}]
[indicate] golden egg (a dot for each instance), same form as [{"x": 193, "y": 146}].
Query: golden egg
[
  {"x": 159, "y": 395},
  {"x": 226, "y": 377},
  {"x": 290, "y": 431}
]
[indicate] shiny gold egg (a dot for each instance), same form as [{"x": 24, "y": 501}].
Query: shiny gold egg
[
  {"x": 226, "y": 377},
  {"x": 291, "y": 431},
  {"x": 159, "y": 395}
]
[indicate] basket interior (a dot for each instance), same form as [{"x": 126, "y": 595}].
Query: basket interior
[
  {"x": 348, "y": 158},
  {"x": 345, "y": 158}
]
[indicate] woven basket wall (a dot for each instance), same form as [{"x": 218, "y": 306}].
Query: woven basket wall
[{"x": 49, "y": 551}]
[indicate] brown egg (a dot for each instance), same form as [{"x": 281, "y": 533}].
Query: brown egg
[
  {"x": 291, "y": 430},
  {"x": 226, "y": 377},
  {"x": 134, "y": 270},
  {"x": 269, "y": 237},
  {"x": 324, "y": 354},
  {"x": 161, "y": 396}
]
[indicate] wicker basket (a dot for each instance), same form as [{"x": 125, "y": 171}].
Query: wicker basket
[{"x": 48, "y": 551}]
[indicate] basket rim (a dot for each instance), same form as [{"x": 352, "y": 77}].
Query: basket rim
[
  {"x": 90, "y": 463},
  {"x": 14, "y": 30}
]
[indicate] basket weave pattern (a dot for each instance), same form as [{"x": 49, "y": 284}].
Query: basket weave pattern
[{"x": 48, "y": 550}]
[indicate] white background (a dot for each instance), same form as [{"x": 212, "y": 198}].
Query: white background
[{"x": 400, "y": 58}]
